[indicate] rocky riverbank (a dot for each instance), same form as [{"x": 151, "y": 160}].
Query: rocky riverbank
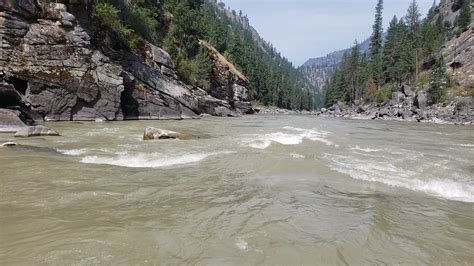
[{"x": 408, "y": 105}]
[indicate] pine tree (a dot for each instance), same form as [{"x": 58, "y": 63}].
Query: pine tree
[
  {"x": 413, "y": 17},
  {"x": 390, "y": 51},
  {"x": 438, "y": 84},
  {"x": 413, "y": 22},
  {"x": 362, "y": 77},
  {"x": 351, "y": 69},
  {"x": 376, "y": 44},
  {"x": 203, "y": 68},
  {"x": 376, "y": 41}
]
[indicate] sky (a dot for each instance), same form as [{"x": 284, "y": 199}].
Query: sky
[{"x": 302, "y": 29}]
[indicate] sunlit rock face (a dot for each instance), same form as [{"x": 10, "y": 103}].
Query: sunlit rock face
[{"x": 62, "y": 73}]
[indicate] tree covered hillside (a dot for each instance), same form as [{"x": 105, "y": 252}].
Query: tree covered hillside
[
  {"x": 411, "y": 54},
  {"x": 178, "y": 25}
]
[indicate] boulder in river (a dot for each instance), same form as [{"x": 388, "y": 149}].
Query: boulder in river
[
  {"x": 155, "y": 133},
  {"x": 35, "y": 131}
]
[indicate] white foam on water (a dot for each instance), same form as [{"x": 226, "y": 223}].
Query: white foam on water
[
  {"x": 74, "y": 152},
  {"x": 152, "y": 160},
  {"x": 259, "y": 144},
  {"x": 388, "y": 174},
  {"x": 368, "y": 150},
  {"x": 242, "y": 245},
  {"x": 294, "y": 137},
  {"x": 297, "y": 156},
  {"x": 466, "y": 145}
]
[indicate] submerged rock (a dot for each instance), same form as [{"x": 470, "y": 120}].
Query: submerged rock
[
  {"x": 35, "y": 131},
  {"x": 155, "y": 133},
  {"x": 8, "y": 144}
]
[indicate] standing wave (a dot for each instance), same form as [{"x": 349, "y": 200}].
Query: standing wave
[
  {"x": 152, "y": 160},
  {"x": 391, "y": 175}
]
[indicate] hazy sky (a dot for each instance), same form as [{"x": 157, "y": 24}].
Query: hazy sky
[{"x": 301, "y": 29}]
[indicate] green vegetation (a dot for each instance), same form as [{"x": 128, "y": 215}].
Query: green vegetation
[
  {"x": 383, "y": 94},
  {"x": 411, "y": 47},
  {"x": 376, "y": 45},
  {"x": 106, "y": 17},
  {"x": 178, "y": 25},
  {"x": 471, "y": 90},
  {"x": 439, "y": 81}
]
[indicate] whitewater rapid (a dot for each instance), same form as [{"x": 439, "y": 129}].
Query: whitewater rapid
[
  {"x": 391, "y": 166},
  {"x": 254, "y": 190}
]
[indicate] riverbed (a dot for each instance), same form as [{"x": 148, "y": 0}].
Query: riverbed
[{"x": 277, "y": 189}]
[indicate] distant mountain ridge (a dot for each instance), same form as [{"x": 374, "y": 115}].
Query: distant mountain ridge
[
  {"x": 319, "y": 69},
  {"x": 334, "y": 58}
]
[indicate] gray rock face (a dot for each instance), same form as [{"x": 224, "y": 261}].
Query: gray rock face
[
  {"x": 421, "y": 99},
  {"x": 398, "y": 97},
  {"x": 35, "y": 131},
  {"x": 148, "y": 104},
  {"x": 407, "y": 90},
  {"x": 65, "y": 78},
  {"x": 229, "y": 84},
  {"x": 49, "y": 65},
  {"x": 10, "y": 120},
  {"x": 160, "y": 56}
]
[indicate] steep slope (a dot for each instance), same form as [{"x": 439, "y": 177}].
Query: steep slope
[
  {"x": 426, "y": 72},
  {"x": 52, "y": 68},
  {"x": 273, "y": 80}
]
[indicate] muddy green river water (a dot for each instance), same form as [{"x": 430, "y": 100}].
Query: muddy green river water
[{"x": 287, "y": 190}]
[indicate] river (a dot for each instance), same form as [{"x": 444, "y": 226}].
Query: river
[{"x": 269, "y": 190}]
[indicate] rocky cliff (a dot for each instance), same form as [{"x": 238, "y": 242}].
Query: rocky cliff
[
  {"x": 228, "y": 82},
  {"x": 458, "y": 54},
  {"x": 51, "y": 68}
]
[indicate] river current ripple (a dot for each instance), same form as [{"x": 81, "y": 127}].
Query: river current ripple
[{"x": 253, "y": 190}]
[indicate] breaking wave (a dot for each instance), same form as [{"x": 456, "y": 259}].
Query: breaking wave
[
  {"x": 293, "y": 136},
  {"x": 368, "y": 150},
  {"x": 297, "y": 156},
  {"x": 73, "y": 151},
  {"x": 76, "y": 152},
  {"x": 153, "y": 160},
  {"x": 391, "y": 175}
]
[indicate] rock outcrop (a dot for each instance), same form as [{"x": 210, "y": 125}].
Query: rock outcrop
[
  {"x": 408, "y": 105},
  {"x": 51, "y": 69},
  {"x": 49, "y": 59},
  {"x": 459, "y": 57},
  {"x": 229, "y": 84}
]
